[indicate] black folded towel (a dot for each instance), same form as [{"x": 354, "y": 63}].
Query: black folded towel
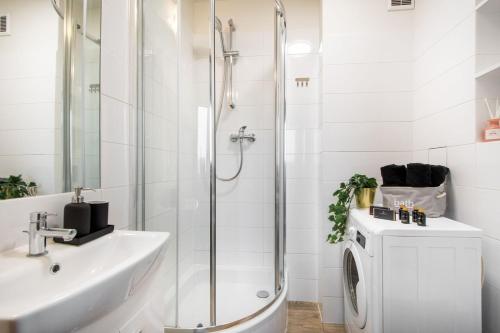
[
  {"x": 418, "y": 175},
  {"x": 438, "y": 174},
  {"x": 393, "y": 175}
]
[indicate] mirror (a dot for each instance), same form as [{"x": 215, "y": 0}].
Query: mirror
[{"x": 49, "y": 96}]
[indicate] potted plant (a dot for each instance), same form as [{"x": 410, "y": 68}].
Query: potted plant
[
  {"x": 358, "y": 185},
  {"x": 15, "y": 187}
]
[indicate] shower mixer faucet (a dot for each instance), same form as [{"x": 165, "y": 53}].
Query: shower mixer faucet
[{"x": 242, "y": 135}]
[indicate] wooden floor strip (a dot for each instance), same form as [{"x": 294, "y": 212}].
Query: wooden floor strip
[{"x": 304, "y": 317}]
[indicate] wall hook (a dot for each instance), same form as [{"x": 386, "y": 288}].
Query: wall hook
[{"x": 302, "y": 81}]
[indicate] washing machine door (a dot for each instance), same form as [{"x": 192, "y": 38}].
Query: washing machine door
[{"x": 354, "y": 284}]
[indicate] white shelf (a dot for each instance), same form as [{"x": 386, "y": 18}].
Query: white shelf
[
  {"x": 488, "y": 6},
  {"x": 490, "y": 73}
]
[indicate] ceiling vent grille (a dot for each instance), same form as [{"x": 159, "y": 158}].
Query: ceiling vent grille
[
  {"x": 401, "y": 4},
  {"x": 4, "y": 25}
]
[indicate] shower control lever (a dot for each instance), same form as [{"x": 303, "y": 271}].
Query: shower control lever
[{"x": 242, "y": 135}]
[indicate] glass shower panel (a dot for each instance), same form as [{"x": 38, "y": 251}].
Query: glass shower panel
[
  {"x": 245, "y": 144},
  {"x": 226, "y": 267},
  {"x": 160, "y": 116},
  {"x": 176, "y": 99},
  {"x": 194, "y": 164}
]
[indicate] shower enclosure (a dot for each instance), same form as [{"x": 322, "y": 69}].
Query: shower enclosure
[{"x": 211, "y": 116}]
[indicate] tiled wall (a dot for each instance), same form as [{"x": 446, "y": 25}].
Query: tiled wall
[
  {"x": 413, "y": 90},
  {"x": 30, "y": 124},
  {"x": 302, "y": 148},
  {"x": 117, "y": 139},
  {"x": 445, "y": 129},
  {"x": 245, "y": 206},
  {"x": 366, "y": 115}
]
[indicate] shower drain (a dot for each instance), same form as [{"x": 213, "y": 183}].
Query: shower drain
[{"x": 263, "y": 294}]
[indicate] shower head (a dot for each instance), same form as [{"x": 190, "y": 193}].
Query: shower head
[
  {"x": 218, "y": 24},
  {"x": 231, "y": 25},
  {"x": 218, "y": 27}
]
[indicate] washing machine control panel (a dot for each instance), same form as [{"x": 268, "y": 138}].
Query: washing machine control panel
[
  {"x": 360, "y": 236},
  {"x": 361, "y": 239}
]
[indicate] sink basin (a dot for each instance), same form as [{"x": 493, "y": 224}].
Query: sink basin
[{"x": 71, "y": 286}]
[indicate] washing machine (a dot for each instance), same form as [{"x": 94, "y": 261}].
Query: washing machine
[{"x": 401, "y": 278}]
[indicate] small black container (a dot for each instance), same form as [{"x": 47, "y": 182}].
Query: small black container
[
  {"x": 98, "y": 215},
  {"x": 77, "y": 214},
  {"x": 405, "y": 216},
  {"x": 400, "y": 212},
  {"x": 415, "y": 215},
  {"x": 422, "y": 219}
]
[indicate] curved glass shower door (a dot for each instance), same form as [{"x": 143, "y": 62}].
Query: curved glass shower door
[
  {"x": 211, "y": 127},
  {"x": 246, "y": 157}
]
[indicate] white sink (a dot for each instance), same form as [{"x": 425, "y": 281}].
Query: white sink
[{"x": 93, "y": 280}]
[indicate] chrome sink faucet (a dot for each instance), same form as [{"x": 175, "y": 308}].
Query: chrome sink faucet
[{"x": 39, "y": 232}]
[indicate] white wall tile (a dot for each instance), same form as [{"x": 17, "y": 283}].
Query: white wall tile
[
  {"x": 333, "y": 309},
  {"x": 453, "y": 88},
  {"x": 121, "y": 205},
  {"x": 302, "y": 94},
  {"x": 331, "y": 282},
  {"x": 304, "y": 116},
  {"x": 303, "y": 290},
  {"x": 368, "y": 46},
  {"x": 302, "y": 241},
  {"x": 491, "y": 306},
  {"x": 448, "y": 52},
  {"x": 431, "y": 26},
  {"x": 487, "y": 212},
  {"x": 115, "y": 121},
  {"x": 301, "y": 191},
  {"x": 28, "y": 116},
  {"x": 340, "y": 166},
  {"x": 368, "y": 107},
  {"x": 437, "y": 156},
  {"x": 28, "y": 142},
  {"x": 302, "y": 166},
  {"x": 331, "y": 255},
  {"x": 420, "y": 156},
  {"x": 302, "y": 266},
  {"x": 462, "y": 162},
  {"x": 303, "y": 141},
  {"x": 488, "y": 165},
  {"x": 368, "y": 77},
  {"x": 491, "y": 248},
  {"x": 462, "y": 205},
  {"x": 370, "y": 17},
  {"x": 115, "y": 165},
  {"x": 301, "y": 216},
  {"x": 115, "y": 49},
  {"x": 303, "y": 65},
  {"x": 367, "y": 137}
]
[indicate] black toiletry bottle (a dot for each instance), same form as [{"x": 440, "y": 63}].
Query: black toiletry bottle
[
  {"x": 414, "y": 215},
  {"x": 422, "y": 219},
  {"x": 77, "y": 214},
  {"x": 401, "y": 207},
  {"x": 405, "y": 216}
]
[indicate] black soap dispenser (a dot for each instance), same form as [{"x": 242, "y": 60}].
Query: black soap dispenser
[{"x": 77, "y": 214}]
